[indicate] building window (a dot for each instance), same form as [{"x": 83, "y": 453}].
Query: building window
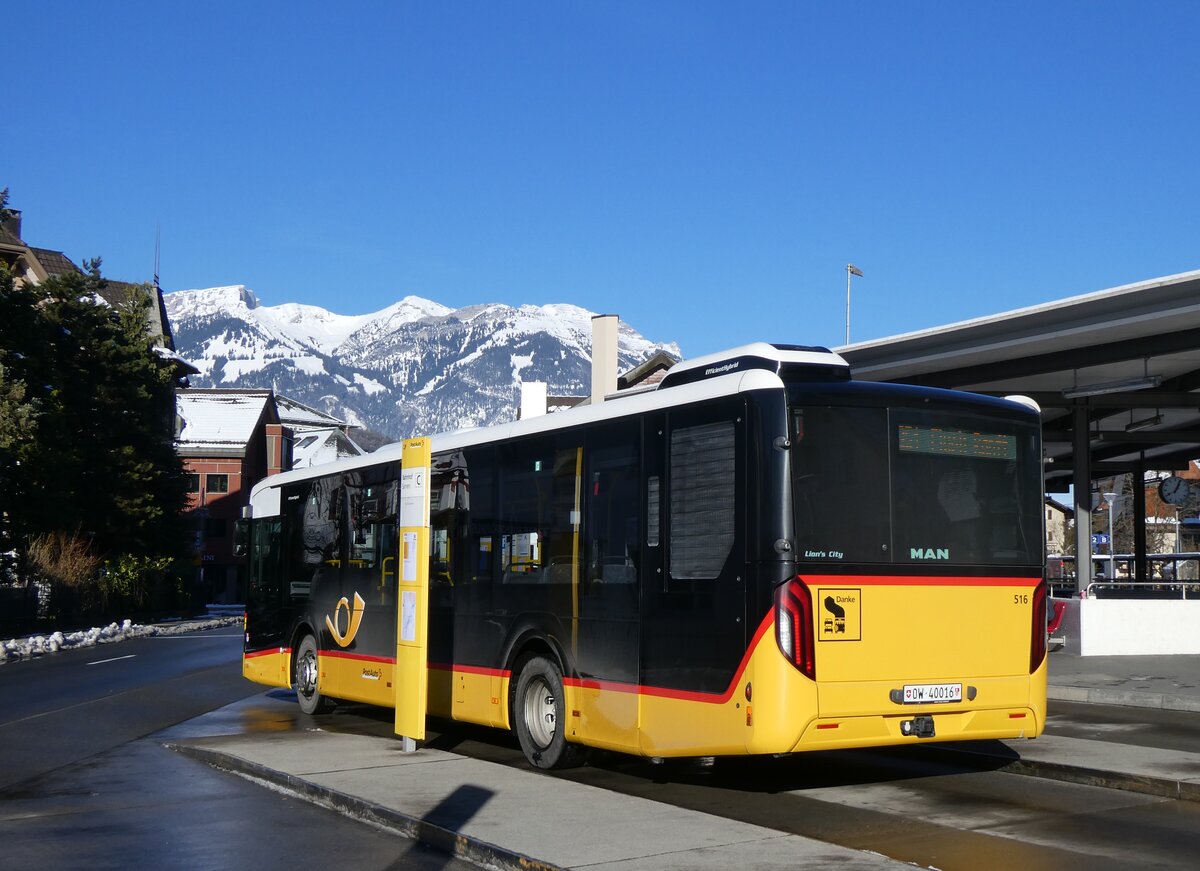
[
  {"x": 193, "y": 482},
  {"x": 216, "y": 483}
]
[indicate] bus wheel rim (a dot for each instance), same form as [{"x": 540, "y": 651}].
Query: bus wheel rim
[
  {"x": 308, "y": 674},
  {"x": 541, "y": 712}
]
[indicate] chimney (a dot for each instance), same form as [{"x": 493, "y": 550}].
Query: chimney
[
  {"x": 12, "y": 222},
  {"x": 279, "y": 448},
  {"x": 533, "y": 399},
  {"x": 604, "y": 357}
]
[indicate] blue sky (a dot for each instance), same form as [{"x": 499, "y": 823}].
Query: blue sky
[{"x": 705, "y": 170}]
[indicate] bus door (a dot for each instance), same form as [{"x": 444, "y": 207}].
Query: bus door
[
  {"x": 608, "y": 627},
  {"x": 266, "y": 616},
  {"x": 694, "y": 629},
  {"x": 364, "y": 622},
  {"x": 467, "y": 683}
]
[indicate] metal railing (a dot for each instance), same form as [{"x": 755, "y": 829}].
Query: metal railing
[
  {"x": 1165, "y": 568},
  {"x": 1141, "y": 590}
]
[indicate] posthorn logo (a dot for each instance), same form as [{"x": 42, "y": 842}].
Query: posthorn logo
[{"x": 353, "y": 620}]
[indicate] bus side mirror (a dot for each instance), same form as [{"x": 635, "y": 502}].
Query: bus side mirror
[{"x": 241, "y": 537}]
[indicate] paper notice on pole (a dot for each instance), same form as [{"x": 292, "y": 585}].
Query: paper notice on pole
[
  {"x": 414, "y": 497},
  {"x": 409, "y": 563},
  {"x": 408, "y": 615}
]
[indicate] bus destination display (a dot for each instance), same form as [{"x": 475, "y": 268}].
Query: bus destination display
[{"x": 956, "y": 443}]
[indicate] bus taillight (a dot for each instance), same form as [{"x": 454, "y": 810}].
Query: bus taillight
[
  {"x": 793, "y": 626},
  {"x": 1037, "y": 641}
]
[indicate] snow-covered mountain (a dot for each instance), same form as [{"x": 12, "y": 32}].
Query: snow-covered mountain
[{"x": 414, "y": 367}]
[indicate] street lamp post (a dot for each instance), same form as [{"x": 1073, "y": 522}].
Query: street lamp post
[
  {"x": 1110, "y": 498},
  {"x": 851, "y": 269}
]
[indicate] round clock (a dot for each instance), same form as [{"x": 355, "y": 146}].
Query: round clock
[{"x": 1175, "y": 490}]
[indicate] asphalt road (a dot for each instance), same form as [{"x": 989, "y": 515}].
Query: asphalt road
[
  {"x": 84, "y": 784},
  {"x": 66, "y": 707}
]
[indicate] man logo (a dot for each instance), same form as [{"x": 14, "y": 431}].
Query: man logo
[
  {"x": 353, "y": 618},
  {"x": 928, "y": 553}
]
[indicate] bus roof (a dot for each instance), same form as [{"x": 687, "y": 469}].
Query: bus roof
[{"x": 757, "y": 366}]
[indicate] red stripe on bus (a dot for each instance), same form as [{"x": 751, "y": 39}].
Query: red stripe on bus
[
  {"x": 683, "y": 695},
  {"x": 342, "y": 654}
]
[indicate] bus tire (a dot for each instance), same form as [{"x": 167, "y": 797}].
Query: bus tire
[
  {"x": 307, "y": 679},
  {"x": 539, "y": 716}
]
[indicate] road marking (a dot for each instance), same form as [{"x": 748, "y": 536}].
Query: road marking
[
  {"x": 204, "y": 635},
  {"x": 114, "y": 659}
]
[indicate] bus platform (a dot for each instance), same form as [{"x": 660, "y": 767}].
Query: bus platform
[
  {"x": 513, "y": 818},
  {"x": 1168, "y": 682}
]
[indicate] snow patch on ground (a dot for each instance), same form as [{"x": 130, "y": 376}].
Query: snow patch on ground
[{"x": 39, "y": 645}]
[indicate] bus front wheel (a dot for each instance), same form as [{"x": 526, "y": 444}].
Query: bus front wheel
[
  {"x": 308, "y": 689},
  {"x": 539, "y": 716}
]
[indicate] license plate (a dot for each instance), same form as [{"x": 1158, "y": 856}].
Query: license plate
[{"x": 932, "y": 693}]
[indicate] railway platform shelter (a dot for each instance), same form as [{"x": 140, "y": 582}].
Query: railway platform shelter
[{"x": 1116, "y": 373}]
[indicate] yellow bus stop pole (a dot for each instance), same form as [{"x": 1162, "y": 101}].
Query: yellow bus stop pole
[{"x": 411, "y": 678}]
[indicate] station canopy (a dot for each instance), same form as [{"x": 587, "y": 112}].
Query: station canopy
[{"x": 1116, "y": 373}]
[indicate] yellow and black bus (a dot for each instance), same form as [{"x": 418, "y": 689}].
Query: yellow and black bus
[{"x": 758, "y": 556}]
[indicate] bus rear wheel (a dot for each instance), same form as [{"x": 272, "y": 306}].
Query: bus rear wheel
[
  {"x": 307, "y": 676},
  {"x": 539, "y": 716}
]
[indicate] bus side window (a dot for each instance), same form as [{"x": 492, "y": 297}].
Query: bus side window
[
  {"x": 527, "y": 471},
  {"x": 371, "y": 557},
  {"x": 265, "y": 568},
  {"x": 241, "y": 538},
  {"x": 612, "y": 506},
  {"x": 314, "y": 548},
  {"x": 462, "y": 517},
  {"x": 449, "y": 507}
]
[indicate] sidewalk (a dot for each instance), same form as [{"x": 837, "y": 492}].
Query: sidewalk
[
  {"x": 509, "y": 818},
  {"x": 512, "y": 818},
  {"x": 1167, "y": 682}
]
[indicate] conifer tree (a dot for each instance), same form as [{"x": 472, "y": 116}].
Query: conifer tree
[{"x": 101, "y": 462}]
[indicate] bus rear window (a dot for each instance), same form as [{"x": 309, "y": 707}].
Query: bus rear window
[
  {"x": 840, "y": 484},
  {"x": 899, "y": 486},
  {"x": 965, "y": 490}
]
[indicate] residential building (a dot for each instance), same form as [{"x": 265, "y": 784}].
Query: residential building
[
  {"x": 319, "y": 437},
  {"x": 1059, "y": 523},
  {"x": 230, "y": 440},
  {"x": 33, "y": 265}
]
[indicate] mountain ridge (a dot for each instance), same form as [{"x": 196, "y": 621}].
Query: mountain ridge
[{"x": 415, "y": 366}]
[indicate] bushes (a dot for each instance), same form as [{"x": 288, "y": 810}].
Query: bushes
[
  {"x": 77, "y": 586},
  {"x": 64, "y": 558}
]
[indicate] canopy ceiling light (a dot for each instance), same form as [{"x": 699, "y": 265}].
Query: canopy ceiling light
[
  {"x": 1144, "y": 423},
  {"x": 1127, "y": 385}
]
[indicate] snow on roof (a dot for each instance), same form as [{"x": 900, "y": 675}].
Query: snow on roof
[
  {"x": 293, "y": 414},
  {"x": 218, "y": 419},
  {"x": 316, "y": 446}
]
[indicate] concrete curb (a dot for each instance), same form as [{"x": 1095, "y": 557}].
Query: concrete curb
[
  {"x": 447, "y": 841},
  {"x": 1146, "y": 784},
  {"x": 1127, "y": 698}
]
